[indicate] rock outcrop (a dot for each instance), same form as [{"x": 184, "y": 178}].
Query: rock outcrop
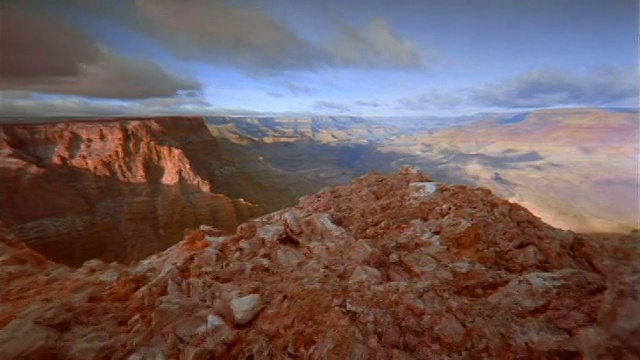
[
  {"x": 118, "y": 189},
  {"x": 388, "y": 267}
]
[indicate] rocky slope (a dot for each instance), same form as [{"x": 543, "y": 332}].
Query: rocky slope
[
  {"x": 388, "y": 267},
  {"x": 118, "y": 189}
]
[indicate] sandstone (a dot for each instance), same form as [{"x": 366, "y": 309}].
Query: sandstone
[{"x": 368, "y": 276}]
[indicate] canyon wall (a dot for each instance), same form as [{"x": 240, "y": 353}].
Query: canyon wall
[{"x": 115, "y": 189}]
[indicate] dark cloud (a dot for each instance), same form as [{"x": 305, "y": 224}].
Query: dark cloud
[
  {"x": 548, "y": 87},
  {"x": 214, "y": 30},
  {"x": 245, "y": 36},
  {"x": 331, "y": 106},
  {"x": 45, "y": 54}
]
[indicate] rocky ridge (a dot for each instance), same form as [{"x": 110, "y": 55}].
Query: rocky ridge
[
  {"x": 388, "y": 267},
  {"x": 130, "y": 185}
]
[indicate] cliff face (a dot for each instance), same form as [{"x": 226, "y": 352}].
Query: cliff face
[
  {"x": 388, "y": 267},
  {"x": 130, "y": 186}
]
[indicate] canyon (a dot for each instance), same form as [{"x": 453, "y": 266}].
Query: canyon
[
  {"x": 140, "y": 238},
  {"x": 575, "y": 168},
  {"x": 134, "y": 185},
  {"x": 115, "y": 189}
]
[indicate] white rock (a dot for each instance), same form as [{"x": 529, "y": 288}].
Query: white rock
[
  {"x": 213, "y": 321},
  {"x": 424, "y": 188},
  {"x": 287, "y": 256},
  {"x": 292, "y": 222},
  {"x": 323, "y": 221},
  {"x": 271, "y": 232},
  {"x": 245, "y": 308}
]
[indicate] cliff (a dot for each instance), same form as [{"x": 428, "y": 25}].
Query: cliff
[
  {"x": 387, "y": 267},
  {"x": 118, "y": 190}
]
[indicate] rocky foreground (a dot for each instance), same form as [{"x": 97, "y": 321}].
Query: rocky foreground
[{"x": 388, "y": 267}]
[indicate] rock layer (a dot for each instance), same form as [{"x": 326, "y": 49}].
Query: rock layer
[
  {"x": 117, "y": 189},
  {"x": 379, "y": 268}
]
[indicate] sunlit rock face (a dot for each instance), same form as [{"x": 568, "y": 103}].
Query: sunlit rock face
[
  {"x": 387, "y": 267},
  {"x": 118, "y": 189}
]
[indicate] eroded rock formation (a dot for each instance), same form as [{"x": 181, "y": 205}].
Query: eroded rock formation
[
  {"x": 117, "y": 189},
  {"x": 388, "y": 267}
]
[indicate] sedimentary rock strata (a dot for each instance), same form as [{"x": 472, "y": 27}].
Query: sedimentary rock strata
[{"x": 118, "y": 189}]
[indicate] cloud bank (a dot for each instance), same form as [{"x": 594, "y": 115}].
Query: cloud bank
[
  {"x": 548, "y": 87},
  {"x": 243, "y": 36},
  {"x": 541, "y": 88},
  {"x": 21, "y": 104},
  {"x": 45, "y": 54}
]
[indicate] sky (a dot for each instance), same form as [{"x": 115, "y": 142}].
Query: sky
[{"x": 362, "y": 58}]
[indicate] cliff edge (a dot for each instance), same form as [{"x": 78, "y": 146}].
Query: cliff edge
[{"x": 118, "y": 190}]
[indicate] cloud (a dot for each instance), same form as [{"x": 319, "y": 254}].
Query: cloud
[
  {"x": 540, "y": 88},
  {"x": 31, "y": 106},
  {"x": 550, "y": 87},
  {"x": 377, "y": 45},
  {"x": 331, "y": 106},
  {"x": 43, "y": 54},
  {"x": 297, "y": 89},
  {"x": 243, "y": 35},
  {"x": 365, "y": 103},
  {"x": 214, "y": 30}
]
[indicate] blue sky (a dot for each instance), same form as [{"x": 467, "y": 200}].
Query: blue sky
[{"x": 393, "y": 58}]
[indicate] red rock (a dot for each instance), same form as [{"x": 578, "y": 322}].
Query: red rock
[
  {"x": 484, "y": 287},
  {"x": 130, "y": 185}
]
